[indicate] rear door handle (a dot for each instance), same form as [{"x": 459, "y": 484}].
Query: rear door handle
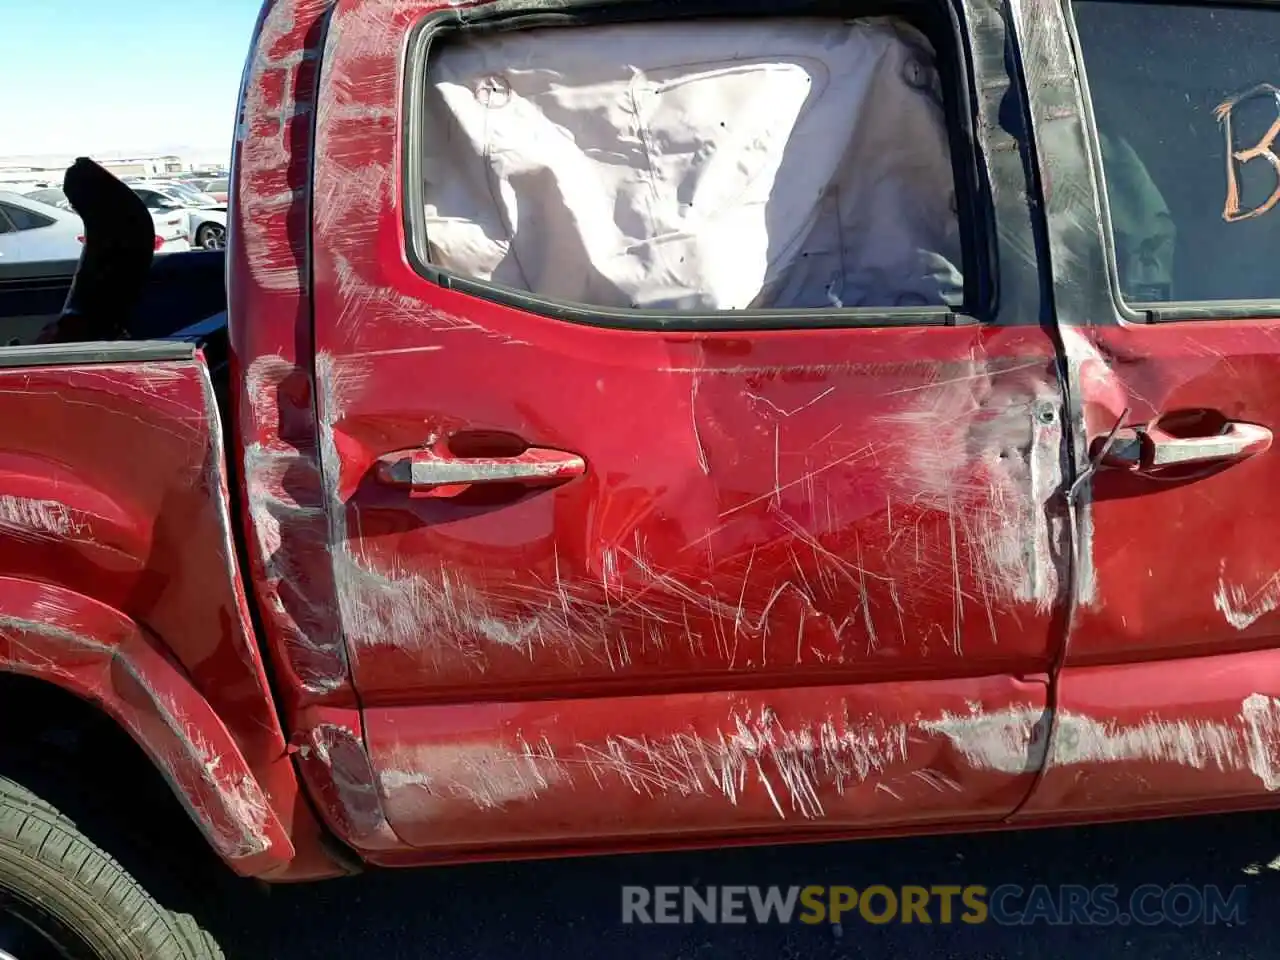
[
  {"x": 1150, "y": 448},
  {"x": 431, "y": 469}
]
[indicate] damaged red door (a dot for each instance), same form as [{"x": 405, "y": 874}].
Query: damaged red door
[
  {"x": 616, "y": 579},
  {"x": 1168, "y": 698}
]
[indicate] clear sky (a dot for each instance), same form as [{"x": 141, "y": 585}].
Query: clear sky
[{"x": 99, "y": 76}]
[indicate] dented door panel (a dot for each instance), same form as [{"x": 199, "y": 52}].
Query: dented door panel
[
  {"x": 649, "y": 770},
  {"x": 814, "y": 558},
  {"x": 806, "y": 505}
]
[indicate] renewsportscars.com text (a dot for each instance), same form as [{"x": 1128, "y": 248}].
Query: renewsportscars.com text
[{"x": 1006, "y": 904}]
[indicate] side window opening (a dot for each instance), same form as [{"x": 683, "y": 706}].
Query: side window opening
[
  {"x": 694, "y": 166},
  {"x": 1168, "y": 84},
  {"x": 23, "y": 219}
]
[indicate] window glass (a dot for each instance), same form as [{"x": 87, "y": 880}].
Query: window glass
[
  {"x": 794, "y": 164},
  {"x": 1186, "y": 101},
  {"x": 52, "y": 196},
  {"x": 23, "y": 219},
  {"x": 155, "y": 200}
]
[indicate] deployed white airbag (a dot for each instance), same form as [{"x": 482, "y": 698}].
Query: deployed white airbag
[{"x": 695, "y": 166}]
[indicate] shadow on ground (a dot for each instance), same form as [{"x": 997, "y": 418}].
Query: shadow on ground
[{"x": 572, "y": 908}]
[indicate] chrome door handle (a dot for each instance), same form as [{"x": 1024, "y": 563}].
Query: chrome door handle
[
  {"x": 1150, "y": 448},
  {"x": 431, "y": 469}
]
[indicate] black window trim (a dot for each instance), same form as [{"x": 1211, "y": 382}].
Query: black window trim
[
  {"x": 1179, "y": 310},
  {"x": 973, "y": 196}
]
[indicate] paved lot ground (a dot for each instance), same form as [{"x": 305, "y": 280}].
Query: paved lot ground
[{"x": 570, "y": 909}]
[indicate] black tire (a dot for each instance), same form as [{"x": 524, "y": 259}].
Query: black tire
[
  {"x": 211, "y": 236},
  {"x": 69, "y": 898}
]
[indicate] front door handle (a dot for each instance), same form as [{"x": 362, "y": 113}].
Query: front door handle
[
  {"x": 436, "y": 469},
  {"x": 1150, "y": 448}
]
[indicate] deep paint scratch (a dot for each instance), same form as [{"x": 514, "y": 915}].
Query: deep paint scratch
[
  {"x": 1243, "y": 608},
  {"x": 791, "y": 765},
  {"x": 27, "y": 519}
]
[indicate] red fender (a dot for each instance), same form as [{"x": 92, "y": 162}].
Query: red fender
[{"x": 100, "y": 655}]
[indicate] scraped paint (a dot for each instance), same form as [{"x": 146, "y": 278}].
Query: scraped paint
[
  {"x": 213, "y": 784},
  {"x": 984, "y": 447},
  {"x": 1010, "y": 741},
  {"x": 344, "y": 778},
  {"x": 268, "y": 151},
  {"x": 1242, "y": 608},
  {"x": 290, "y": 532},
  {"x": 793, "y": 766},
  {"x": 26, "y": 518},
  {"x": 788, "y": 764},
  {"x": 998, "y": 741},
  {"x": 245, "y": 834},
  {"x": 489, "y": 777},
  {"x": 1261, "y": 715}
]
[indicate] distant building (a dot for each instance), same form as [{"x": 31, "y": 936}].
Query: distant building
[
  {"x": 51, "y": 167},
  {"x": 145, "y": 166}
]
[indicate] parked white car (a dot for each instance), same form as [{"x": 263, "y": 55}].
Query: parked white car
[
  {"x": 171, "y": 226},
  {"x": 31, "y": 231},
  {"x": 172, "y": 231},
  {"x": 191, "y": 190},
  {"x": 206, "y": 218}
]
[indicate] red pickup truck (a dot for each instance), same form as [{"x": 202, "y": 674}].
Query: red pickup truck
[{"x": 637, "y": 425}]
